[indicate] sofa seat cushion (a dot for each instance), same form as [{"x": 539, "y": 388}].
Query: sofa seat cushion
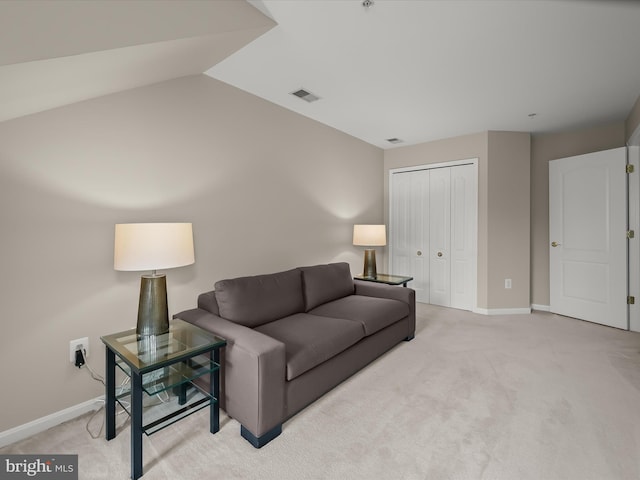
[
  {"x": 310, "y": 340},
  {"x": 253, "y": 301},
  {"x": 371, "y": 312}
]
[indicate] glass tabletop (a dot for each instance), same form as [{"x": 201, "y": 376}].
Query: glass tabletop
[
  {"x": 386, "y": 278},
  {"x": 150, "y": 352}
]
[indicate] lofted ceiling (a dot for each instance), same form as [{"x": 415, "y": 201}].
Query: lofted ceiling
[
  {"x": 424, "y": 70},
  {"x": 416, "y": 70}
]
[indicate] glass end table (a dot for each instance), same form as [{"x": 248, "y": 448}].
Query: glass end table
[
  {"x": 164, "y": 368},
  {"x": 385, "y": 278}
]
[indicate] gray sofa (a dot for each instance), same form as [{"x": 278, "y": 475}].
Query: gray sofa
[{"x": 293, "y": 336}]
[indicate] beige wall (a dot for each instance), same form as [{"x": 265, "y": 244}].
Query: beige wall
[
  {"x": 503, "y": 183},
  {"x": 266, "y": 190},
  {"x": 509, "y": 219},
  {"x": 551, "y": 146}
]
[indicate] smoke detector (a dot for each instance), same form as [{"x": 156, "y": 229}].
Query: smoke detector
[{"x": 305, "y": 95}]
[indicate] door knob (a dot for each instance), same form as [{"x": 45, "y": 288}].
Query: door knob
[
  {"x": 439, "y": 254},
  {"x": 555, "y": 244},
  {"x": 418, "y": 253}
]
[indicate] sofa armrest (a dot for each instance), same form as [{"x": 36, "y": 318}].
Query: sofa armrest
[
  {"x": 253, "y": 371},
  {"x": 207, "y": 301},
  {"x": 382, "y": 290},
  {"x": 402, "y": 294}
]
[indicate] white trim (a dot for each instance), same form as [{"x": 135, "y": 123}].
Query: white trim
[
  {"x": 540, "y": 308},
  {"x": 41, "y": 424},
  {"x": 429, "y": 166},
  {"x": 633, "y": 245},
  {"x": 502, "y": 311}
]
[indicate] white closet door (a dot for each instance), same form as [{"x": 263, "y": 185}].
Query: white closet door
[
  {"x": 433, "y": 232},
  {"x": 440, "y": 236},
  {"x": 409, "y": 227},
  {"x": 463, "y": 250}
]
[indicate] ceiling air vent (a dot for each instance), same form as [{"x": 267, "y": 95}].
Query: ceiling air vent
[
  {"x": 306, "y": 96},
  {"x": 394, "y": 140}
]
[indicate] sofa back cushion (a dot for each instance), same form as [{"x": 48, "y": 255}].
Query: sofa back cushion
[
  {"x": 324, "y": 283},
  {"x": 254, "y": 301}
]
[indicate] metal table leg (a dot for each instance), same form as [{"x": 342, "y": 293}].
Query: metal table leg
[
  {"x": 110, "y": 395},
  {"x": 136, "y": 425},
  {"x": 214, "y": 390}
]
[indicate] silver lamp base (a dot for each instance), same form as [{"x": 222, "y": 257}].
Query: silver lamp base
[
  {"x": 369, "y": 263},
  {"x": 153, "y": 314}
]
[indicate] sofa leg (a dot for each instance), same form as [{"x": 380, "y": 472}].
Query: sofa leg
[
  {"x": 259, "y": 442},
  {"x": 410, "y": 337}
]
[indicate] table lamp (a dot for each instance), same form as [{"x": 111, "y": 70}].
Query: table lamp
[
  {"x": 369, "y": 236},
  {"x": 153, "y": 246}
]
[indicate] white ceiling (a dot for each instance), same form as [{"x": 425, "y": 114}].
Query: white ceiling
[
  {"x": 424, "y": 70},
  {"x": 417, "y": 70}
]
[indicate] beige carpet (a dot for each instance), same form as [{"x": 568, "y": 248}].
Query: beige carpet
[{"x": 538, "y": 397}]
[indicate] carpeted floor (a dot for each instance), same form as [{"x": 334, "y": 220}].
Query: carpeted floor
[{"x": 518, "y": 397}]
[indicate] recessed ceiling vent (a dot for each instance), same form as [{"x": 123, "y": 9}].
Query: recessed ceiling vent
[
  {"x": 394, "y": 140},
  {"x": 305, "y": 95}
]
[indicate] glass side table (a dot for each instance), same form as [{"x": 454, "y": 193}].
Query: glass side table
[
  {"x": 164, "y": 368},
  {"x": 386, "y": 278}
]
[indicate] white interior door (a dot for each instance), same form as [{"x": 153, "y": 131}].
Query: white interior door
[{"x": 587, "y": 230}]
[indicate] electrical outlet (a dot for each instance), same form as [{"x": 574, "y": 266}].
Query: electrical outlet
[
  {"x": 507, "y": 283},
  {"x": 75, "y": 345}
]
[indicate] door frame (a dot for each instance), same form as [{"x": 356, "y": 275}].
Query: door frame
[
  {"x": 633, "y": 179},
  {"x": 633, "y": 245},
  {"x": 431, "y": 166}
]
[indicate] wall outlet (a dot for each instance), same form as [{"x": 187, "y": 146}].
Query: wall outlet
[
  {"x": 75, "y": 345},
  {"x": 507, "y": 283}
]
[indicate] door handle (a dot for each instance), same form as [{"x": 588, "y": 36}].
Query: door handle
[
  {"x": 555, "y": 244},
  {"x": 439, "y": 254},
  {"x": 418, "y": 253}
]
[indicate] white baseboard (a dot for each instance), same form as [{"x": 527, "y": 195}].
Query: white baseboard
[
  {"x": 41, "y": 424},
  {"x": 541, "y": 308},
  {"x": 502, "y": 311}
]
